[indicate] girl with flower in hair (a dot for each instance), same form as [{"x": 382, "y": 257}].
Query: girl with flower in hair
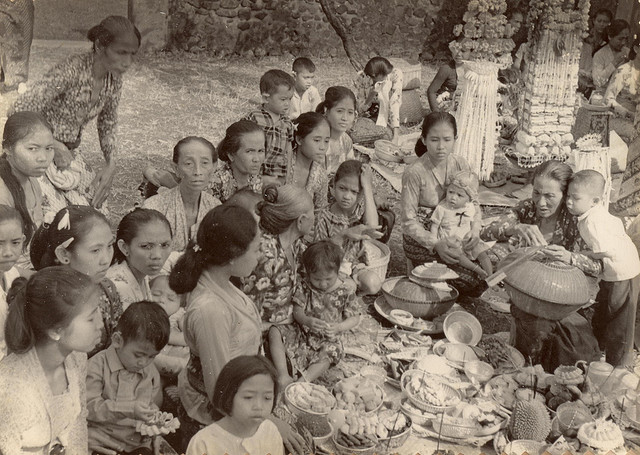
[{"x": 80, "y": 237}]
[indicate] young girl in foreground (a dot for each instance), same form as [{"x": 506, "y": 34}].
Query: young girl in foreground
[
  {"x": 11, "y": 242},
  {"x": 245, "y": 394},
  {"x": 348, "y": 217},
  {"x": 306, "y": 169},
  {"x": 53, "y": 321},
  {"x": 339, "y": 107},
  {"x": 325, "y": 305}
]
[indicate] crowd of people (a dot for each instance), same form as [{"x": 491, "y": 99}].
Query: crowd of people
[{"x": 256, "y": 248}]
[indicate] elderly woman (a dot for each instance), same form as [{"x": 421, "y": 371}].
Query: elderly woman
[
  {"x": 186, "y": 205},
  {"x": 69, "y": 96},
  {"x": 423, "y": 187},
  {"x": 241, "y": 153},
  {"x": 545, "y": 220}
]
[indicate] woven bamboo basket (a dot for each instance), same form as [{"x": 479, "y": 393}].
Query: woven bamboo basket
[
  {"x": 433, "y": 305},
  {"x": 454, "y": 430},
  {"x": 395, "y": 441},
  {"x": 549, "y": 290}
]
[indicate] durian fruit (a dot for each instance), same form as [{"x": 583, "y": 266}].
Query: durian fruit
[{"x": 530, "y": 420}]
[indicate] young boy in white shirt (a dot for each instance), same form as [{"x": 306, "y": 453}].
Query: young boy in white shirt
[
  {"x": 615, "y": 308},
  {"x": 305, "y": 95}
]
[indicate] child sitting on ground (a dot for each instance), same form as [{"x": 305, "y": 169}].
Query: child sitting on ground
[
  {"x": 305, "y": 95},
  {"x": 456, "y": 216},
  {"x": 325, "y": 305},
  {"x": 123, "y": 385},
  {"x": 380, "y": 89},
  {"x": 276, "y": 88},
  {"x": 352, "y": 215},
  {"x": 615, "y": 307},
  {"x": 245, "y": 394},
  {"x": 175, "y": 355}
]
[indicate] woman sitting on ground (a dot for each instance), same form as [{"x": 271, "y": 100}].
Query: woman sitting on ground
[{"x": 185, "y": 206}]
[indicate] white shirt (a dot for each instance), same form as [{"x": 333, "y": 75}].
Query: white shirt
[
  {"x": 307, "y": 102},
  {"x": 214, "y": 440},
  {"x": 604, "y": 233}
]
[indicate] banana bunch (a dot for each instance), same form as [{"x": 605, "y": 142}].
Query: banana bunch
[{"x": 311, "y": 397}]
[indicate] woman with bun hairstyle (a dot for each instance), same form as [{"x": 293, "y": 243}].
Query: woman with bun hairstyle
[
  {"x": 69, "y": 96},
  {"x": 221, "y": 322},
  {"x": 286, "y": 216},
  {"x": 54, "y": 320},
  {"x": 241, "y": 154},
  {"x": 80, "y": 237}
]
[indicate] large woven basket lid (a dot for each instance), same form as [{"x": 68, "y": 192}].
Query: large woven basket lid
[{"x": 550, "y": 281}]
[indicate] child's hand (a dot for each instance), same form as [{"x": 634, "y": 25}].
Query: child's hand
[
  {"x": 143, "y": 412},
  {"x": 317, "y": 325},
  {"x": 62, "y": 156},
  {"x": 366, "y": 177},
  {"x": 363, "y": 232}
]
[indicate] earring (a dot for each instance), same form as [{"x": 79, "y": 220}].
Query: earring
[{"x": 65, "y": 261}]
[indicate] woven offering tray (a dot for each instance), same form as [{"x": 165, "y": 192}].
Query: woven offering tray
[{"x": 529, "y": 161}]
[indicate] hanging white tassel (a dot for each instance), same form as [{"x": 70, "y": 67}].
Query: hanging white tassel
[{"x": 477, "y": 117}]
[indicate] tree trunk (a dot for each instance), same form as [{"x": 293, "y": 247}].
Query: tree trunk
[{"x": 356, "y": 56}]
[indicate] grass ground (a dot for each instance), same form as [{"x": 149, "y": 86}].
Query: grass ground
[{"x": 169, "y": 96}]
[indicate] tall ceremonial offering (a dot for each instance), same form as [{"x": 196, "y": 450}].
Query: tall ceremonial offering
[
  {"x": 483, "y": 47},
  {"x": 548, "y": 103}
]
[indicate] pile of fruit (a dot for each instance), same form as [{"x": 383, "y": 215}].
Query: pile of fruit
[
  {"x": 362, "y": 431},
  {"x": 358, "y": 394},
  {"x": 310, "y": 397}
]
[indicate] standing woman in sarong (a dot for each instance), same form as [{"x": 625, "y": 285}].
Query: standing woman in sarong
[{"x": 72, "y": 94}]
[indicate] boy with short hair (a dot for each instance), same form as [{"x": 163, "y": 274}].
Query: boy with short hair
[
  {"x": 123, "y": 385},
  {"x": 615, "y": 308},
  {"x": 305, "y": 95},
  {"x": 276, "y": 88}
]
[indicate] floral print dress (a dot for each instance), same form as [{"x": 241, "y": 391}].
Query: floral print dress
[
  {"x": 272, "y": 283},
  {"x": 317, "y": 183},
  {"x": 224, "y": 184},
  {"x": 111, "y": 310},
  {"x": 338, "y": 303},
  {"x": 329, "y": 224},
  {"x": 64, "y": 97}
]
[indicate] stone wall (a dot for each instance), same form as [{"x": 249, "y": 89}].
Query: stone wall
[{"x": 299, "y": 27}]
